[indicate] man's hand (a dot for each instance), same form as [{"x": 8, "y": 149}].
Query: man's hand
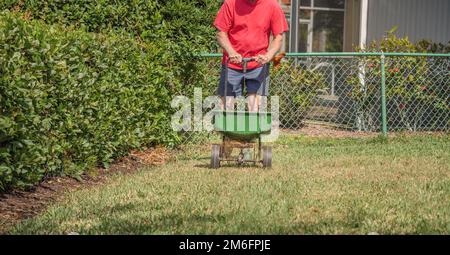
[
  {"x": 224, "y": 42},
  {"x": 275, "y": 46},
  {"x": 264, "y": 58},
  {"x": 235, "y": 58}
]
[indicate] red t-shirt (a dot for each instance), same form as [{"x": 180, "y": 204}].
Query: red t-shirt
[{"x": 249, "y": 25}]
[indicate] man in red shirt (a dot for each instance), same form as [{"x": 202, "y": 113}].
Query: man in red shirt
[{"x": 244, "y": 28}]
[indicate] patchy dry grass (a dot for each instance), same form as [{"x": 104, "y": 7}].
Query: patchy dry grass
[{"x": 317, "y": 186}]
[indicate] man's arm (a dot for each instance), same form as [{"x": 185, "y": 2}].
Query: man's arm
[
  {"x": 274, "y": 47},
  {"x": 224, "y": 42}
]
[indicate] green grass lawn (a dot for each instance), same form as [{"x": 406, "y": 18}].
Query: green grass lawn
[{"x": 316, "y": 186}]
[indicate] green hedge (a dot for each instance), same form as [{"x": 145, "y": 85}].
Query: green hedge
[
  {"x": 180, "y": 28},
  {"x": 83, "y": 82},
  {"x": 70, "y": 100},
  {"x": 185, "y": 21}
]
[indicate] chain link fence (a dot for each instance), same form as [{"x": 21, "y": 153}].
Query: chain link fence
[{"x": 350, "y": 91}]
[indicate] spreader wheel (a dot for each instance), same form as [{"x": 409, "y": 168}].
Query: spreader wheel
[
  {"x": 215, "y": 156},
  {"x": 267, "y": 156}
]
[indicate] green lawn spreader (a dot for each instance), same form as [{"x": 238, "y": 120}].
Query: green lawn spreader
[{"x": 242, "y": 130}]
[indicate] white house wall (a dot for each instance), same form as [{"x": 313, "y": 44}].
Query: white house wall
[{"x": 418, "y": 19}]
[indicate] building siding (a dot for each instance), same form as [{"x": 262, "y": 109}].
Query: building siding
[
  {"x": 417, "y": 19},
  {"x": 352, "y": 24}
]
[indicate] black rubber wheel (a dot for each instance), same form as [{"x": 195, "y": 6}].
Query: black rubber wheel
[
  {"x": 215, "y": 156},
  {"x": 267, "y": 156}
]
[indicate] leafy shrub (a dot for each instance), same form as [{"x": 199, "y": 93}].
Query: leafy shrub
[
  {"x": 416, "y": 87},
  {"x": 70, "y": 100},
  {"x": 429, "y": 46},
  {"x": 95, "y": 83},
  {"x": 178, "y": 28}
]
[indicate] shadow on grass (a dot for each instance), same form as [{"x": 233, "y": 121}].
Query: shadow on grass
[
  {"x": 197, "y": 223},
  {"x": 228, "y": 165},
  {"x": 172, "y": 223}
]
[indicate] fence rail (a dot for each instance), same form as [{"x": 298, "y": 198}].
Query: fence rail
[
  {"x": 361, "y": 91},
  {"x": 349, "y": 54}
]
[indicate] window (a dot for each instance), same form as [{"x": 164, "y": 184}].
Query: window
[
  {"x": 305, "y": 3},
  {"x": 328, "y": 31},
  {"x": 321, "y": 25},
  {"x": 340, "y": 4},
  {"x": 286, "y": 6},
  {"x": 286, "y": 38},
  {"x": 305, "y": 14}
]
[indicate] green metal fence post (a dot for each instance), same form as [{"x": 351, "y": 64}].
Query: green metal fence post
[{"x": 383, "y": 97}]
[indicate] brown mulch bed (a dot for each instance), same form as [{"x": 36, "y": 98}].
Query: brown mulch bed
[
  {"x": 18, "y": 205},
  {"x": 316, "y": 130}
]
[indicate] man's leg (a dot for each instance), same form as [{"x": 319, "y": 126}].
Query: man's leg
[
  {"x": 253, "y": 102},
  {"x": 257, "y": 81},
  {"x": 229, "y": 104},
  {"x": 233, "y": 89}
]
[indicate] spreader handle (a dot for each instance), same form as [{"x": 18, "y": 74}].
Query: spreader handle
[
  {"x": 244, "y": 65},
  {"x": 245, "y": 60}
]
